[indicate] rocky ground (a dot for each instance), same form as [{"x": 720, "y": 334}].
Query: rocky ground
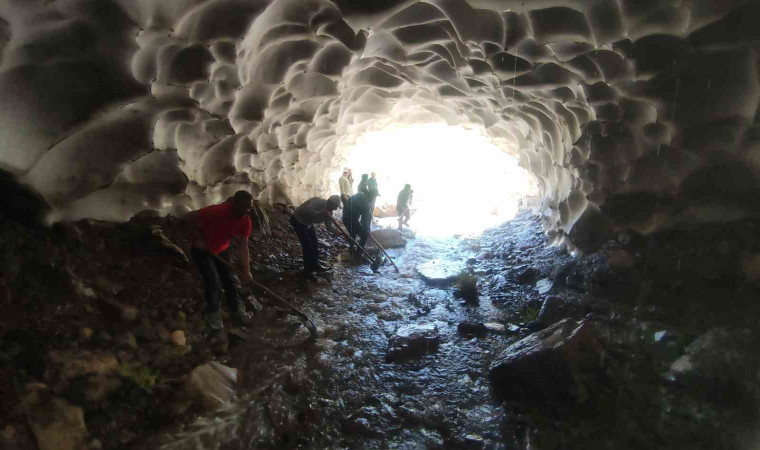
[{"x": 648, "y": 343}]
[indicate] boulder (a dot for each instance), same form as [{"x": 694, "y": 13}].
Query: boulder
[
  {"x": 528, "y": 276},
  {"x": 388, "y": 238},
  {"x": 56, "y": 424},
  {"x": 547, "y": 365},
  {"x": 720, "y": 364},
  {"x": 212, "y": 385},
  {"x": 472, "y": 328},
  {"x": 64, "y": 366},
  {"x": 439, "y": 272},
  {"x": 621, "y": 259},
  {"x": 552, "y": 311},
  {"x": 412, "y": 342}
]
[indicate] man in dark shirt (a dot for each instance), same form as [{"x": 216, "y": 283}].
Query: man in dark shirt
[
  {"x": 306, "y": 216},
  {"x": 357, "y": 217},
  {"x": 213, "y": 228}
]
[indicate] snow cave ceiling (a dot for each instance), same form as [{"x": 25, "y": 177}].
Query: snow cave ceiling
[{"x": 634, "y": 114}]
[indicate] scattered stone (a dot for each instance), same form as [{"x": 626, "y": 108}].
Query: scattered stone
[
  {"x": 439, "y": 272},
  {"x": 544, "y": 285},
  {"x": 388, "y": 238},
  {"x": 546, "y": 365},
  {"x": 412, "y": 342},
  {"x": 126, "y": 339},
  {"x": 527, "y": 276},
  {"x": 212, "y": 385},
  {"x": 178, "y": 338},
  {"x": 56, "y": 424},
  {"x": 474, "y": 441},
  {"x": 494, "y": 327},
  {"x": 499, "y": 282},
  {"x": 472, "y": 328}
]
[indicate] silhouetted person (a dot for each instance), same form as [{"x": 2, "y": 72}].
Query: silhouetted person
[
  {"x": 304, "y": 219},
  {"x": 346, "y": 185},
  {"x": 373, "y": 192},
  {"x": 363, "y": 184},
  {"x": 402, "y": 205},
  {"x": 213, "y": 228},
  {"x": 357, "y": 217}
]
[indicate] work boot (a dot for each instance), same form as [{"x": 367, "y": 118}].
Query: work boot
[
  {"x": 214, "y": 320},
  {"x": 240, "y": 316}
]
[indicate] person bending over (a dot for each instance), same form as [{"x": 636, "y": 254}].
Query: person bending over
[
  {"x": 213, "y": 227},
  {"x": 357, "y": 217},
  {"x": 402, "y": 205},
  {"x": 310, "y": 213}
]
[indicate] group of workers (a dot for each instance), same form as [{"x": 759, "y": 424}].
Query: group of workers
[{"x": 215, "y": 226}]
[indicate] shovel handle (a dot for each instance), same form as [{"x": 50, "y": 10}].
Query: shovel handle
[
  {"x": 383, "y": 250},
  {"x": 310, "y": 325}
]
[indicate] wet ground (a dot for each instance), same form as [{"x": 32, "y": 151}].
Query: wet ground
[{"x": 340, "y": 392}]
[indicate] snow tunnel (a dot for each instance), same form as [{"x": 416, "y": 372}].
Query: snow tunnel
[{"x": 628, "y": 114}]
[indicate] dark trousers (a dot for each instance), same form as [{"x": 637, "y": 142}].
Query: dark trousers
[
  {"x": 358, "y": 226},
  {"x": 215, "y": 275},
  {"x": 307, "y": 235}
]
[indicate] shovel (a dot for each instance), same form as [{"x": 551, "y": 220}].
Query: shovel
[
  {"x": 376, "y": 262},
  {"x": 291, "y": 309},
  {"x": 383, "y": 250}
]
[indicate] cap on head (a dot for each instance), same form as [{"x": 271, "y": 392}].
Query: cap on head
[
  {"x": 345, "y": 170},
  {"x": 333, "y": 202},
  {"x": 407, "y": 186}
]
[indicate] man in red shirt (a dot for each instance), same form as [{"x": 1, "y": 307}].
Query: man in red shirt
[{"x": 214, "y": 227}]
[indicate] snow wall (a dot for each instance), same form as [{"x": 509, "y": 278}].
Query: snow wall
[{"x": 634, "y": 114}]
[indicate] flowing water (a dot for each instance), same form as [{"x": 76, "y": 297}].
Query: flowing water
[{"x": 339, "y": 392}]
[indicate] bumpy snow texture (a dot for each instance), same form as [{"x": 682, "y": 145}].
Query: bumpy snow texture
[{"x": 630, "y": 113}]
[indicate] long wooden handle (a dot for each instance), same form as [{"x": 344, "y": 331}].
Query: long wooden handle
[
  {"x": 298, "y": 312},
  {"x": 383, "y": 250},
  {"x": 345, "y": 235}
]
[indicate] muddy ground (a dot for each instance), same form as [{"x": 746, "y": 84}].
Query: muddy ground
[{"x": 648, "y": 298}]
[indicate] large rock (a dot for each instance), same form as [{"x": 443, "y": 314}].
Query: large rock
[
  {"x": 439, "y": 272},
  {"x": 720, "y": 364},
  {"x": 56, "y": 424},
  {"x": 388, "y": 238},
  {"x": 552, "y": 311},
  {"x": 547, "y": 365},
  {"x": 412, "y": 342},
  {"x": 212, "y": 385},
  {"x": 64, "y": 366}
]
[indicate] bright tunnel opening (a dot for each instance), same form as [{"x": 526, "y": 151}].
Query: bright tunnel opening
[{"x": 463, "y": 182}]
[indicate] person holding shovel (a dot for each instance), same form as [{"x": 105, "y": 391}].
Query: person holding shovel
[
  {"x": 303, "y": 220},
  {"x": 357, "y": 215},
  {"x": 213, "y": 227}
]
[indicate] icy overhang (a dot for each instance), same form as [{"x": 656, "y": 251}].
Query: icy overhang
[{"x": 630, "y": 113}]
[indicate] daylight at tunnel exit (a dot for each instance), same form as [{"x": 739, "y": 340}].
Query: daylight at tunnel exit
[{"x": 372, "y": 224}]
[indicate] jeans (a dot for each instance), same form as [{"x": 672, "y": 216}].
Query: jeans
[
  {"x": 215, "y": 275},
  {"x": 307, "y": 235}
]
